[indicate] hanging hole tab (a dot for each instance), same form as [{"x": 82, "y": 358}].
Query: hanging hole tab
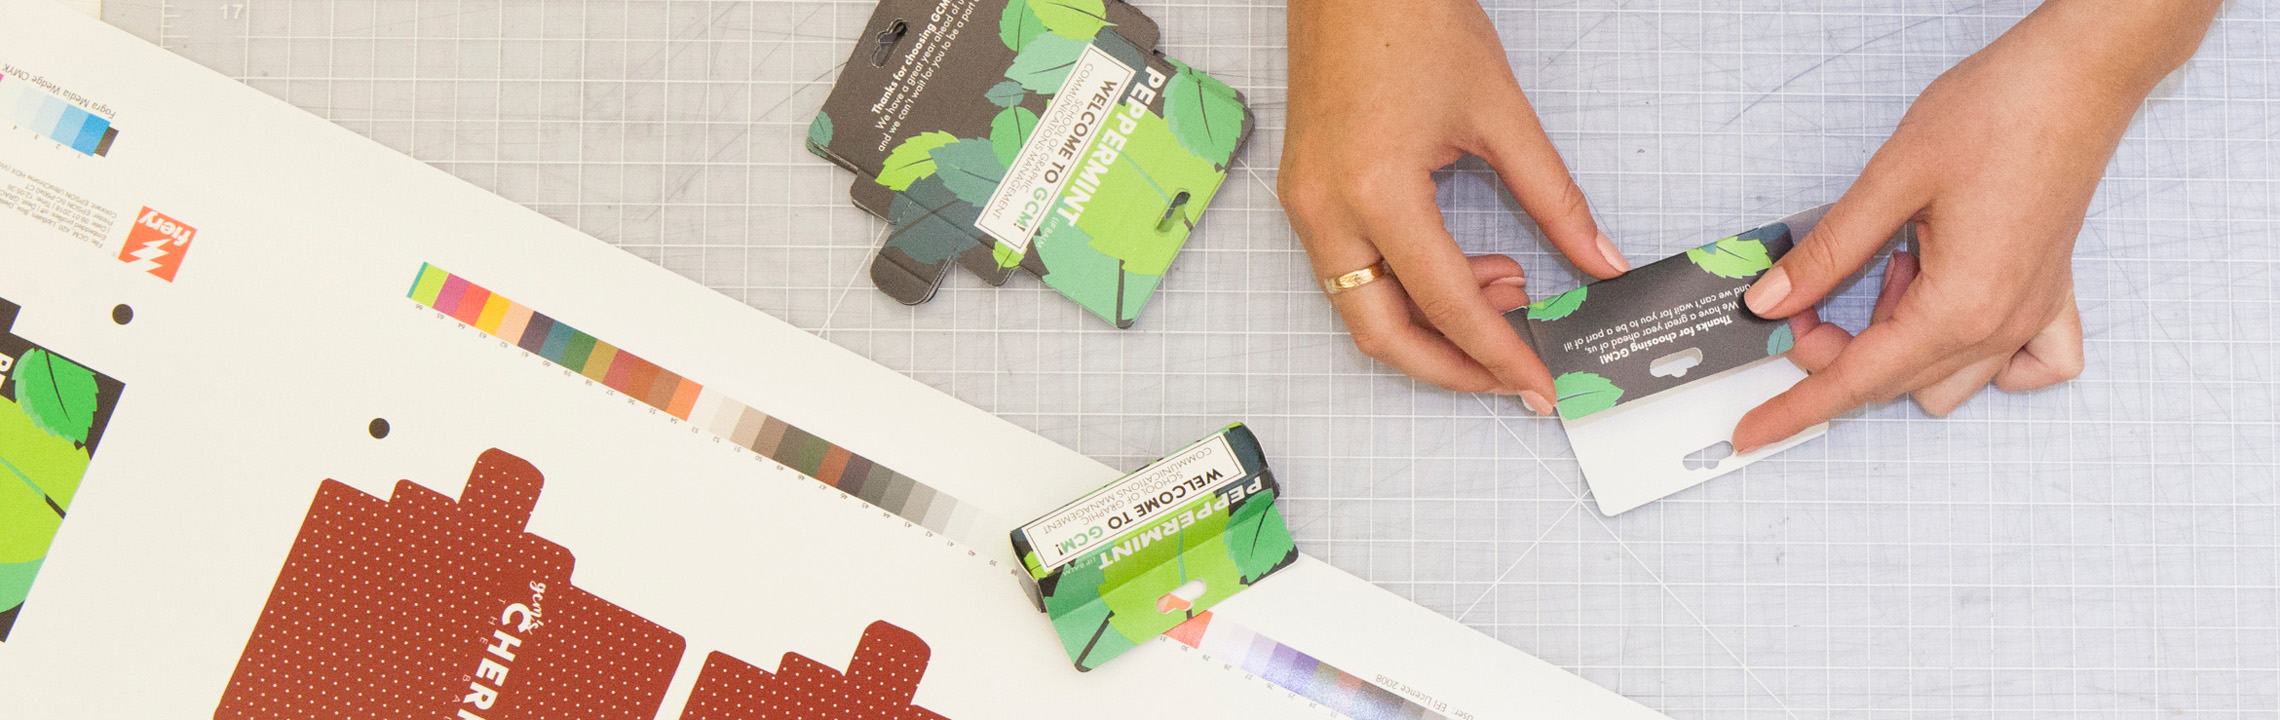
[
  {"x": 887, "y": 40},
  {"x": 1707, "y": 458},
  {"x": 1179, "y": 200}
]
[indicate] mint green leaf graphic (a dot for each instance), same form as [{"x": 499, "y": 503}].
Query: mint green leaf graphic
[
  {"x": 58, "y": 394},
  {"x": 1126, "y": 214},
  {"x": 970, "y": 168},
  {"x": 930, "y": 222},
  {"x": 31, "y": 523},
  {"x": 1006, "y": 94},
  {"x": 1074, "y": 19},
  {"x": 1044, "y": 63},
  {"x": 1079, "y": 585},
  {"x": 16, "y": 582},
  {"x": 1205, "y": 114},
  {"x": 1583, "y": 393},
  {"x": 1018, "y": 25},
  {"x": 1558, "y": 306},
  {"x": 1078, "y": 269},
  {"x": 1731, "y": 258},
  {"x": 819, "y": 133},
  {"x": 1009, "y": 130},
  {"x": 1780, "y": 341},
  {"x": 1257, "y": 538},
  {"x": 46, "y": 466},
  {"x": 913, "y": 159},
  {"x": 1081, "y": 616}
]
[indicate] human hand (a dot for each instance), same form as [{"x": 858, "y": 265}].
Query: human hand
[
  {"x": 1995, "y": 163},
  {"x": 1382, "y": 94}
]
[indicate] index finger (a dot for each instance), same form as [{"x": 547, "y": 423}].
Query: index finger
[
  {"x": 1407, "y": 228},
  {"x": 1870, "y": 369}
]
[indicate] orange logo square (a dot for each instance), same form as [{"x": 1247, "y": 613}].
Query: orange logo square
[{"x": 156, "y": 244}]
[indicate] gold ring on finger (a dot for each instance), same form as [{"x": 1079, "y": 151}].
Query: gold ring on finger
[{"x": 1357, "y": 278}]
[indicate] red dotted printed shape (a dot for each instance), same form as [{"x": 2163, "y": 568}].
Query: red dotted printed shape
[
  {"x": 877, "y": 686},
  {"x": 391, "y": 609}
]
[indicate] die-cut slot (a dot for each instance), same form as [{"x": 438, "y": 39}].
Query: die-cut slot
[
  {"x": 1708, "y": 457},
  {"x": 1172, "y": 210},
  {"x": 1180, "y": 598},
  {"x": 887, "y": 40},
  {"x": 1675, "y": 364}
]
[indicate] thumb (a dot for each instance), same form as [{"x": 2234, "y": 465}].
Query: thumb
[{"x": 1855, "y": 228}]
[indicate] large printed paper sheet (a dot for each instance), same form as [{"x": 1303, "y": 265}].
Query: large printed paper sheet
[{"x": 296, "y": 426}]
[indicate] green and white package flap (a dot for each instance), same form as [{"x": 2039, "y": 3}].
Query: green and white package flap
[
  {"x": 1102, "y": 196},
  {"x": 1138, "y": 557},
  {"x": 1084, "y": 159}
]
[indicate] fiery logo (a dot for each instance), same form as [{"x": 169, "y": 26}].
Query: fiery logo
[{"x": 156, "y": 244}]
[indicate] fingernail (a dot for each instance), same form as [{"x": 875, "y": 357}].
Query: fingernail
[
  {"x": 1768, "y": 292},
  {"x": 1536, "y": 402},
  {"x": 1514, "y": 281},
  {"x": 1614, "y": 256}
]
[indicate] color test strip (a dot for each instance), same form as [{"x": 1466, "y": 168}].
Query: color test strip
[
  {"x": 1295, "y": 671},
  {"x": 681, "y": 397},
  {"x": 28, "y": 107},
  {"x": 894, "y": 492}
]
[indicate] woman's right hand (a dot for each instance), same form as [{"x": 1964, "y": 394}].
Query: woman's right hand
[{"x": 1382, "y": 94}]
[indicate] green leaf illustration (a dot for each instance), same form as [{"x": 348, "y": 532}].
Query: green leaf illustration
[
  {"x": 44, "y": 464},
  {"x": 1085, "y": 275},
  {"x": 1205, "y": 114},
  {"x": 1074, "y": 19},
  {"x": 913, "y": 159},
  {"x": 1080, "y": 271},
  {"x": 1558, "y": 306},
  {"x": 930, "y": 222},
  {"x": 1731, "y": 258},
  {"x": 970, "y": 168},
  {"x": 1257, "y": 538},
  {"x": 1584, "y": 393},
  {"x": 1780, "y": 341},
  {"x": 15, "y": 583},
  {"x": 1006, "y": 93},
  {"x": 1080, "y": 616},
  {"x": 1125, "y": 214},
  {"x": 58, "y": 394},
  {"x": 1044, "y": 63},
  {"x": 29, "y": 525},
  {"x": 1018, "y": 25},
  {"x": 819, "y": 133},
  {"x": 39, "y": 474},
  {"x": 1009, "y": 130},
  {"x": 1135, "y": 599},
  {"x": 1079, "y": 585}
]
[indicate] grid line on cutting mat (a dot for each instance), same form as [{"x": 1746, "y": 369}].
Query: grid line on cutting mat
[{"x": 2107, "y": 548}]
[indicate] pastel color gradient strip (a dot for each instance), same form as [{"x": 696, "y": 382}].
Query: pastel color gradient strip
[
  {"x": 29, "y": 107},
  {"x": 683, "y": 398},
  {"x": 1295, "y": 671},
  {"x": 858, "y": 476}
]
